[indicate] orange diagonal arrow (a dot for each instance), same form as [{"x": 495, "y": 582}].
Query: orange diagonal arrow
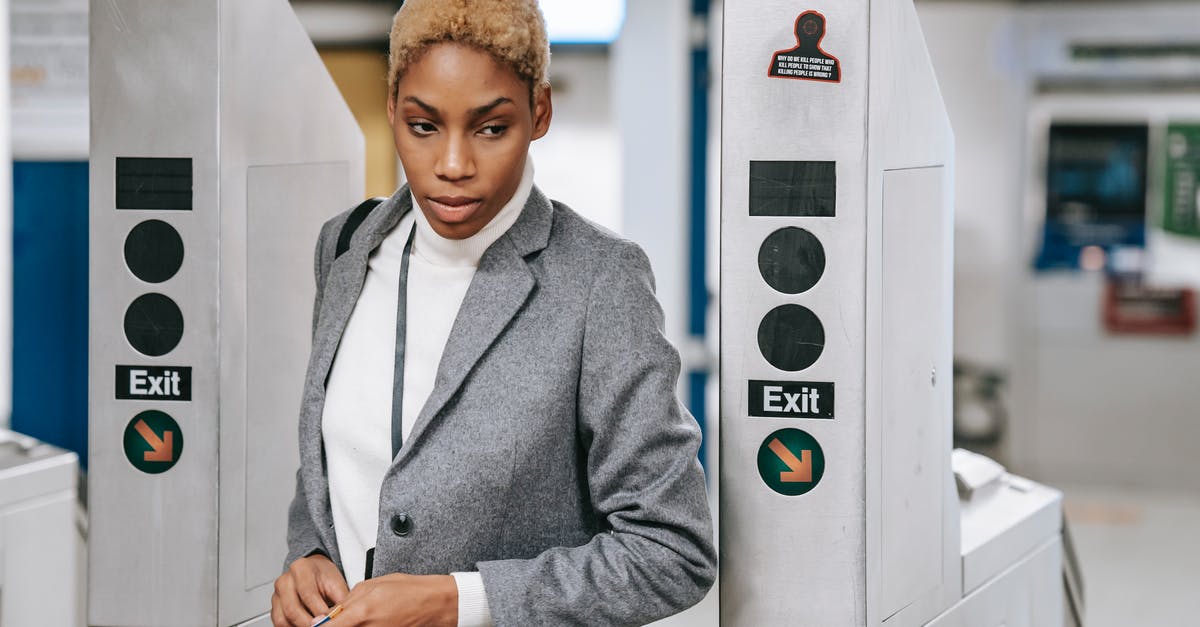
[
  {"x": 162, "y": 450},
  {"x": 799, "y": 470}
]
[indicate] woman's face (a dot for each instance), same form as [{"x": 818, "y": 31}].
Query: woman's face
[{"x": 462, "y": 124}]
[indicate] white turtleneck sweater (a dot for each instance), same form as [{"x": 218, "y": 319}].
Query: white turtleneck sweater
[{"x": 357, "y": 419}]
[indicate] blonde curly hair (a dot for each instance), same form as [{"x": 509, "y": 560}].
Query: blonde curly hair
[{"x": 512, "y": 31}]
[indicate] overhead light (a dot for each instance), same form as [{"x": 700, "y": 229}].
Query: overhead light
[
  {"x": 575, "y": 22},
  {"x": 349, "y": 22}
]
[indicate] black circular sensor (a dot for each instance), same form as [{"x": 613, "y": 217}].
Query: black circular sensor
[
  {"x": 791, "y": 260},
  {"x": 153, "y": 251},
  {"x": 153, "y": 324},
  {"x": 791, "y": 337}
]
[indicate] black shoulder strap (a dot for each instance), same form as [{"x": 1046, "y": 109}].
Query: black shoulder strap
[{"x": 352, "y": 223}]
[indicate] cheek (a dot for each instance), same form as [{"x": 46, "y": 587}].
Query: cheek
[
  {"x": 401, "y": 144},
  {"x": 410, "y": 151},
  {"x": 506, "y": 152},
  {"x": 410, "y": 162},
  {"x": 502, "y": 162}
]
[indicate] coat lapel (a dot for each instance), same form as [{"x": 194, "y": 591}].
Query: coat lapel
[
  {"x": 346, "y": 275},
  {"x": 343, "y": 284},
  {"x": 501, "y": 286}
]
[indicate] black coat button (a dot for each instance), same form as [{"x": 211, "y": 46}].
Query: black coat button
[{"x": 401, "y": 524}]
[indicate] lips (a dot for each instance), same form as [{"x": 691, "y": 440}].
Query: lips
[{"x": 455, "y": 203}]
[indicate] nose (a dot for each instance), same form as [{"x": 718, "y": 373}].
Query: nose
[{"x": 457, "y": 160}]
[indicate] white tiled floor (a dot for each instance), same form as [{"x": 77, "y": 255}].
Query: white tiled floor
[{"x": 1140, "y": 555}]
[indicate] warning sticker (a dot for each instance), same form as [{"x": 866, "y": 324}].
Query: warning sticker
[{"x": 807, "y": 61}]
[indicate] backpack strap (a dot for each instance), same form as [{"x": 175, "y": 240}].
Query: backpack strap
[{"x": 353, "y": 221}]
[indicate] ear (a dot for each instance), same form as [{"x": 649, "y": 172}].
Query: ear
[
  {"x": 543, "y": 111},
  {"x": 391, "y": 109}
]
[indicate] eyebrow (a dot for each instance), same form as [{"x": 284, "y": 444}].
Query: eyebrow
[
  {"x": 480, "y": 111},
  {"x": 475, "y": 113},
  {"x": 431, "y": 110}
]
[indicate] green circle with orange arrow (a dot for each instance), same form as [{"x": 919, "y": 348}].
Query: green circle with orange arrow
[
  {"x": 153, "y": 442},
  {"x": 790, "y": 462}
]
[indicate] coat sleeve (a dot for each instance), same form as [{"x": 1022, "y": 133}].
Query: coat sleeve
[
  {"x": 657, "y": 557},
  {"x": 302, "y": 537}
]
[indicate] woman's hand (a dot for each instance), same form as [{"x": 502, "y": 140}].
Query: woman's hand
[
  {"x": 401, "y": 601},
  {"x": 310, "y": 587}
]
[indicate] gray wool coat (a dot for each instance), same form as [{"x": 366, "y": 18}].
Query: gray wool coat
[{"x": 552, "y": 455}]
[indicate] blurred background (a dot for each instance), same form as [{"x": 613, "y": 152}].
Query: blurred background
[{"x": 1077, "y": 231}]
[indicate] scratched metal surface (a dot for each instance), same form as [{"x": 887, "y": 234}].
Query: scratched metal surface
[
  {"x": 792, "y": 560},
  {"x": 835, "y": 555},
  {"x": 153, "y": 538},
  {"x": 260, "y": 118}
]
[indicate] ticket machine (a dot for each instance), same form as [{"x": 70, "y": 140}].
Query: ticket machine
[
  {"x": 219, "y": 144},
  {"x": 840, "y": 504}
]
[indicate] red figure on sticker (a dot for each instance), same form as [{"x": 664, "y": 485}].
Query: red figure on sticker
[{"x": 807, "y": 61}]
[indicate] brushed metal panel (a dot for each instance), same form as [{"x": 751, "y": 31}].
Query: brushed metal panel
[
  {"x": 286, "y": 133},
  {"x": 153, "y": 538},
  {"x": 792, "y": 560},
  {"x": 285, "y": 206},
  {"x": 259, "y": 621},
  {"x": 230, "y": 85},
  {"x": 913, "y": 434},
  {"x": 908, "y": 129},
  {"x": 1027, "y": 594}
]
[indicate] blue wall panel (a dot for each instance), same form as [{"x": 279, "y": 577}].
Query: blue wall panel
[
  {"x": 50, "y": 302},
  {"x": 698, "y": 295}
]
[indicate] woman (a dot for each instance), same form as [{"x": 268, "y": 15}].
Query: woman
[{"x": 489, "y": 433}]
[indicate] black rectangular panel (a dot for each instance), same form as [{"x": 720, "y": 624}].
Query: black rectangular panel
[
  {"x": 793, "y": 188},
  {"x": 154, "y": 183},
  {"x": 154, "y": 383},
  {"x": 790, "y": 399}
]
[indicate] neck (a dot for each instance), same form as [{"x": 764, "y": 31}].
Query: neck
[{"x": 467, "y": 251}]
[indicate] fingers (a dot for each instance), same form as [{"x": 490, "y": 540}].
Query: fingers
[
  {"x": 287, "y": 607},
  {"x": 313, "y": 601},
  {"x": 289, "y": 613},
  {"x": 333, "y": 586},
  {"x": 353, "y": 612},
  {"x": 277, "y": 617},
  {"x": 309, "y": 591},
  {"x": 334, "y": 613},
  {"x": 330, "y": 581}
]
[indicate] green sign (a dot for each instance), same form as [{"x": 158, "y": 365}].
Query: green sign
[
  {"x": 790, "y": 462},
  {"x": 153, "y": 442},
  {"x": 1181, "y": 189}
]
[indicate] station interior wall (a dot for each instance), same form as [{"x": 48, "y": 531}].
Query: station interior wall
[
  {"x": 1084, "y": 405},
  {"x": 1073, "y": 393}
]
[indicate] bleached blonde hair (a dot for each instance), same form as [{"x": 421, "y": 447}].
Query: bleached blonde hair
[{"x": 512, "y": 31}]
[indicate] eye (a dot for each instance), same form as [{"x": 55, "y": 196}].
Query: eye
[
  {"x": 493, "y": 130},
  {"x": 422, "y": 128}
]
